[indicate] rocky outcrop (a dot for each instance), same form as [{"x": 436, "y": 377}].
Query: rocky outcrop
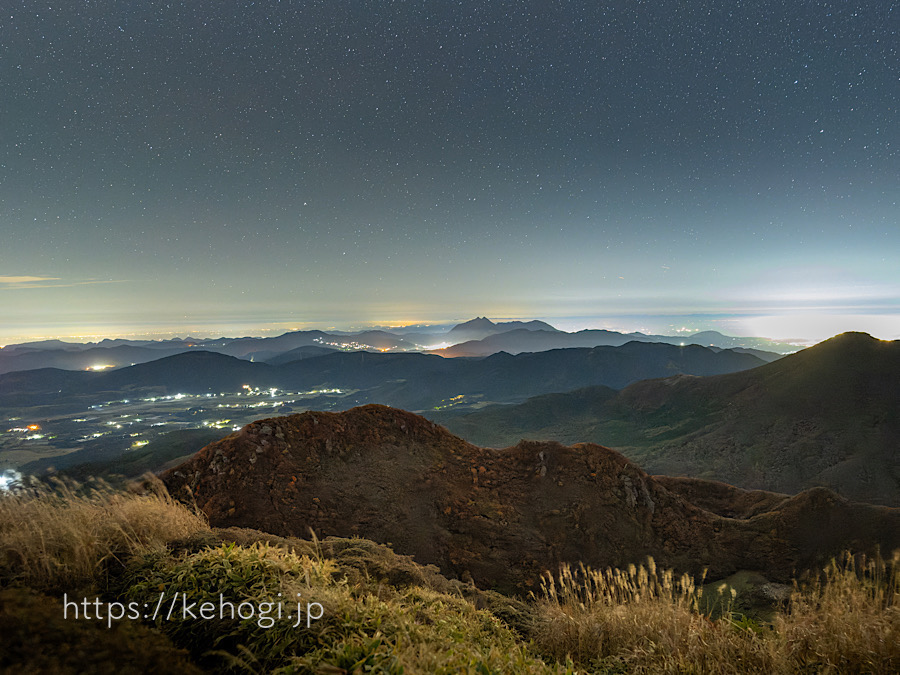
[
  {"x": 504, "y": 516},
  {"x": 721, "y": 498}
]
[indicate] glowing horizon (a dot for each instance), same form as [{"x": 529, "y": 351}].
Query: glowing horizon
[{"x": 799, "y": 327}]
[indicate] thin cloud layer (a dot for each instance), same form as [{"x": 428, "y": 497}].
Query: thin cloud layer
[
  {"x": 25, "y": 279},
  {"x": 19, "y": 282}
]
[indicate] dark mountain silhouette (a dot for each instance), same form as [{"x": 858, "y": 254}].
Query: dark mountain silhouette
[
  {"x": 82, "y": 359},
  {"x": 482, "y": 327},
  {"x": 481, "y": 336},
  {"x": 481, "y": 323},
  {"x": 104, "y": 458},
  {"x": 411, "y": 380},
  {"x": 527, "y": 325},
  {"x": 713, "y": 338},
  {"x": 378, "y": 339},
  {"x": 828, "y": 415},
  {"x": 243, "y": 347},
  {"x": 471, "y": 330},
  {"x": 517, "y": 341},
  {"x": 107, "y": 343},
  {"x": 614, "y": 367},
  {"x": 501, "y": 516},
  {"x": 38, "y": 345},
  {"x": 37, "y": 387},
  {"x": 555, "y": 416},
  {"x": 190, "y": 373},
  {"x": 298, "y": 354},
  {"x": 419, "y": 381},
  {"x": 478, "y": 330},
  {"x": 768, "y": 357}
]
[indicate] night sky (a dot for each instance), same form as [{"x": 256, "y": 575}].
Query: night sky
[{"x": 234, "y": 167}]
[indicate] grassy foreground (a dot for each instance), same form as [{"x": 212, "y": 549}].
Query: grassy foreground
[{"x": 357, "y": 607}]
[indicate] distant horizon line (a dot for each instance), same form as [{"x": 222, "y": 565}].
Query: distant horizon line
[{"x": 675, "y": 325}]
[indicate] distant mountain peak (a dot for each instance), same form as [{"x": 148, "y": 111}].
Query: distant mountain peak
[
  {"x": 851, "y": 337},
  {"x": 850, "y": 346},
  {"x": 478, "y": 323},
  {"x": 708, "y": 333},
  {"x": 533, "y": 325}
]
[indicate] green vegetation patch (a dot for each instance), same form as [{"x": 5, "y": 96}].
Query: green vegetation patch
[{"x": 323, "y": 621}]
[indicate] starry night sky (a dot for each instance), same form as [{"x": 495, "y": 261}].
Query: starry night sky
[{"x": 224, "y": 166}]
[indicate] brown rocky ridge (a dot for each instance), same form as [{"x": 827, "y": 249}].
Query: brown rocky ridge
[{"x": 503, "y": 516}]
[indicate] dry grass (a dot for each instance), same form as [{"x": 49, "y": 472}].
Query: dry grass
[
  {"x": 645, "y": 620},
  {"x": 60, "y": 537},
  {"x": 642, "y": 619},
  {"x": 846, "y": 620}
]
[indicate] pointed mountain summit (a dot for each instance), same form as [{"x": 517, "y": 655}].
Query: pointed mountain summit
[
  {"x": 502, "y": 516},
  {"x": 476, "y": 329},
  {"x": 479, "y": 323}
]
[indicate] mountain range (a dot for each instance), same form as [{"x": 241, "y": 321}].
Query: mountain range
[
  {"x": 478, "y": 337},
  {"x": 409, "y": 380},
  {"x": 482, "y": 327},
  {"x": 538, "y": 339}
]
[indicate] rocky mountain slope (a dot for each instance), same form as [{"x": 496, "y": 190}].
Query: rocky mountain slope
[{"x": 501, "y": 517}]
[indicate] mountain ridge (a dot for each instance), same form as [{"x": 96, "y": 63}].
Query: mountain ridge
[
  {"x": 500, "y": 517},
  {"x": 481, "y": 337},
  {"x": 410, "y": 380}
]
